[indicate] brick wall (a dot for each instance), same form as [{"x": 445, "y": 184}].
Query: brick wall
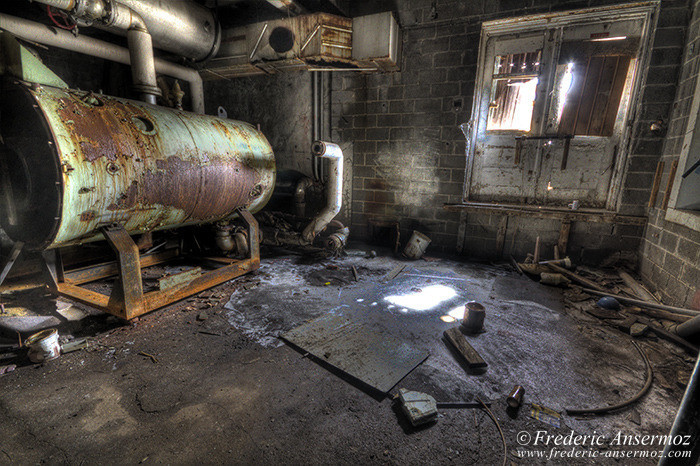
[
  {"x": 409, "y": 152},
  {"x": 670, "y": 259}
]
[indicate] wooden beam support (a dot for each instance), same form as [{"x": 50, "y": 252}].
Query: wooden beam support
[
  {"x": 564, "y": 233},
  {"x": 669, "y": 185},
  {"x": 657, "y": 183},
  {"x": 501, "y": 235}
]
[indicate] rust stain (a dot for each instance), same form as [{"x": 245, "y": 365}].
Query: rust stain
[
  {"x": 87, "y": 216},
  {"x": 204, "y": 192},
  {"x": 104, "y": 130}
]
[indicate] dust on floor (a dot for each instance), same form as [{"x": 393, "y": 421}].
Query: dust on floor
[{"x": 207, "y": 380}]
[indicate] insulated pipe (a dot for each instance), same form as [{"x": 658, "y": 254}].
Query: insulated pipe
[
  {"x": 182, "y": 27},
  {"x": 60, "y": 4},
  {"x": 60, "y": 38},
  {"x": 120, "y": 17},
  {"x": 143, "y": 67},
  {"x": 334, "y": 188}
]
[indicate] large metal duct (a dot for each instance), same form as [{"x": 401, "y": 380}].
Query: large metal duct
[
  {"x": 178, "y": 26},
  {"x": 181, "y": 27},
  {"x": 79, "y": 161}
]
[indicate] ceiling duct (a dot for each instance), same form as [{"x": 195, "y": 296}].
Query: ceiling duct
[{"x": 318, "y": 41}]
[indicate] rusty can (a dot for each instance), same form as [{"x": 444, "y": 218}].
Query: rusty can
[
  {"x": 516, "y": 396},
  {"x": 474, "y": 314}
]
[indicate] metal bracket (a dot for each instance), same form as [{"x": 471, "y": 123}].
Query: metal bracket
[{"x": 128, "y": 299}]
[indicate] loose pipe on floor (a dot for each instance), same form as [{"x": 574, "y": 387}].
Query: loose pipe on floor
[{"x": 42, "y": 34}]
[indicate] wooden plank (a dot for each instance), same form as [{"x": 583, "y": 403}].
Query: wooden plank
[
  {"x": 470, "y": 355},
  {"x": 615, "y": 95},
  {"x": 394, "y": 273},
  {"x": 588, "y": 96},
  {"x": 563, "y": 243},
  {"x": 669, "y": 185},
  {"x": 657, "y": 183},
  {"x": 179, "y": 279},
  {"x": 536, "y": 254},
  {"x": 602, "y": 96},
  {"x": 84, "y": 296},
  {"x": 501, "y": 235},
  {"x": 108, "y": 269},
  {"x": 639, "y": 290}
]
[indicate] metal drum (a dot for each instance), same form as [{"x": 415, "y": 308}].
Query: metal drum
[{"x": 78, "y": 161}]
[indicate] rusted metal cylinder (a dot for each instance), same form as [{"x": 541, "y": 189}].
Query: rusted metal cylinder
[{"x": 79, "y": 161}]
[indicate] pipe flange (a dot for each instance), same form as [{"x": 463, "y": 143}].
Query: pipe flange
[{"x": 146, "y": 89}]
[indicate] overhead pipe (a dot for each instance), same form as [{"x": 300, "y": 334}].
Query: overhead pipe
[
  {"x": 120, "y": 17},
  {"x": 42, "y": 34},
  {"x": 334, "y": 188},
  {"x": 182, "y": 27}
]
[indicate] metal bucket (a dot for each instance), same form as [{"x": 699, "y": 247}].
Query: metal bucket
[
  {"x": 474, "y": 314},
  {"x": 43, "y": 346},
  {"x": 416, "y": 245}
]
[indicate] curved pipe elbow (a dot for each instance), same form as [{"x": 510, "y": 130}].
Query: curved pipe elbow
[
  {"x": 123, "y": 17},
  {"x": 334, "y": 188}
]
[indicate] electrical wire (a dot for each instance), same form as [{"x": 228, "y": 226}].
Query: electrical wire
[
  {"x": 498, "y": 426},
  {"x": 635, "y": 398}
]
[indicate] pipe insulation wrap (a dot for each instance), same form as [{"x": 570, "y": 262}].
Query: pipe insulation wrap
[
  {"x": 334, "y": 188},
  {"x": 42, "y": 34}
]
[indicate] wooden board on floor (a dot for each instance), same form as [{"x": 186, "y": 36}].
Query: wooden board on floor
[{"x": 470, "y": 355}]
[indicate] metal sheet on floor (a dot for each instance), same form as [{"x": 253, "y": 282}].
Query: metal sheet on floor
[{"x": 376, "y": 358}]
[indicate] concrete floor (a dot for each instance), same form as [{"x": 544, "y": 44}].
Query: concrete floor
[{"x": 225, "y": 389}]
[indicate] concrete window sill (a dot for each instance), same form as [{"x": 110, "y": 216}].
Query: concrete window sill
[{"x": 585, "y": 215}]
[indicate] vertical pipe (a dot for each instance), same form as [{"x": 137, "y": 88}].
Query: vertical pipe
[
  {"x": 143, "y": 69},
  {"x": 315, "y": 163},
  {"x": 334, "y": 188}
]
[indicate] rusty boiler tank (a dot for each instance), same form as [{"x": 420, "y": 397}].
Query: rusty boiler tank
[{"x": 77, "y": 161}]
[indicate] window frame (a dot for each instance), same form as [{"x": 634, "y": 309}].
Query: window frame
[
  {"x": 647, "y": 11},
  {"x": 687, "y": 218}
]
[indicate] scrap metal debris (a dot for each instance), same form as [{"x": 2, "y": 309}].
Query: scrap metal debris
[{"x": 379, "y": 360}]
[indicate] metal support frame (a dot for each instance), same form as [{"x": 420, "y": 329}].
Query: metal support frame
[
  {"x": 128, "y": 299},
  {"x": 10, "y": 261}
]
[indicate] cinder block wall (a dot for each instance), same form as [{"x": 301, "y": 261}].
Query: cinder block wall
[
  {"x": 409, "y": 152},
  {"x": 670, "y": 257}
]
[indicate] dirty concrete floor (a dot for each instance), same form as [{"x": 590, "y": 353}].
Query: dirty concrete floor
[{"x": 207, "y": 380}]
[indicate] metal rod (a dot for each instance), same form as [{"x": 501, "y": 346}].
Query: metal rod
[
  {"x": 640, "y": 303},
  {"x": 306, "y": 42},
  {"x": 257, "y": 44}
]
